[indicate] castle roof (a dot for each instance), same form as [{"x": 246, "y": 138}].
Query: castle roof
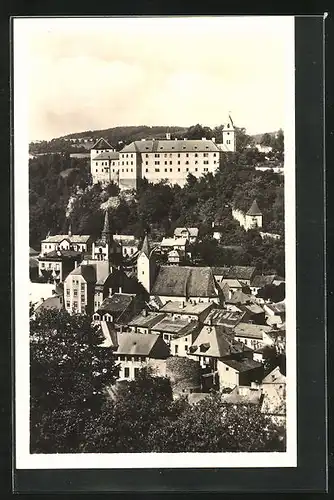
[
  {"x": 102, "y": 144},
  {"x": 177, "y": 146},
  {"x": 254, "y": 209},
  {"x": 75, "y": 238},
  {"x": 111, "y": 155}
]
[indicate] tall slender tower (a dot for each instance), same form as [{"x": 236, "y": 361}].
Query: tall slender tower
[
  {"x": 145, "y": 266},
  {"x": 106, "y": 235},
  {"x": 229, "y": 142}
]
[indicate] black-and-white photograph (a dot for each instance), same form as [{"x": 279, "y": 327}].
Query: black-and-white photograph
[{"x": 154, "y": 171}]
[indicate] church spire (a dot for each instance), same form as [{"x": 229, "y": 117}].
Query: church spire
[
  {"x": 146, "y": 246},
  {"x": 106, "y": 233}
]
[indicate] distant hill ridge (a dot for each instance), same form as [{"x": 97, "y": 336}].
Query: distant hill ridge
[{"x": 136, "y": 133}]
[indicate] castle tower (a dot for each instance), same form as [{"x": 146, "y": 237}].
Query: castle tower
[
  {"x": 253, "y": 217},
  {"x": 229, "y": 131},
  {"x": 145, "y": 266}
]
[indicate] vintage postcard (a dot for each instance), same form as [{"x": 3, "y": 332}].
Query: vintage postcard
[{"x": 154, "y": 179}]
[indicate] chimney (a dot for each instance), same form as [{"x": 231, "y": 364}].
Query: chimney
[
  {"x": 144, "y": 312},
  {"x": 210, "y": 322},
  {"x": 119, "y": 289},
  {"x": 203, "y": 138},
  {"x": 75, "y": 264},
  {"x": 213, "y": 139}
]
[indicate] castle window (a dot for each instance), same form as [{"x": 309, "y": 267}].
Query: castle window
[
  {"x": 146, "y": 155},
  {"x": 196, "y": 161},
  {"x": 179, "y": 162},
  {"x": 196, "y": 154},
  {"x": 179, "y": 170},
  {"x": 205, "y": 154},
  {"x": 157, "y": 155},
  {"x": 196, "y": 169},
  {"x": 165, "y": 169},
  {"x": 165, "y": 162},
  {"x": 205, "y": 169},
  {"x": 97, "y": 164},
  {"x": 206, "y": 162},
  {"x": 157, "y": 169},
  {"x": 122, "y": 162},
  {"x": 146, "y": 162},
  {"x": 171, "y": 170},
  {"x": 157, "y": 163},
  {"x": 187, "y": 162},
  {"x": 127, "y": 163},
  {"x": 187, "y": 169},
  {"x": 178, "y": 154},
  {"x": 214, "y": 154},
  {"x": 165, "y": 155},
  {"x": 132, "y": 170},
  {"x": 187, "y": 154},
  {"x": 132, "y": 163},
  {"x": 131, "y": 155},
  {"x": 146, "y": 170},
  {"x": 171, "y": 163}
]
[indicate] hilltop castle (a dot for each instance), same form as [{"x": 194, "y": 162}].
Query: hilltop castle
[{"x": 155, "y": 160}]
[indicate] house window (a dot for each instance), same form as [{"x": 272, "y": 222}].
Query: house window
[
  {"x": 68, "y": 304},
  {"x": 42, "y": 265},
  {"x": 165, "y": 162},
  {"x": 146, "y": 170},
  {"x": 187, "y": 154},
  {"x": 179, "y": 170},
  {"x": 157, "y": 170},
  {"x": 136, "y": 372},
  {"x": 146, "y": 155},
  {"x": 171, "y": 170},
  {"x": 75, "y": 304},
  {"x": 196, "y": 154},
  {"x": 179, "y": 163},
  {"x": 146, "y": 162},
  {"x": 206, "y": 162},
  {"x": 67, "y": 292},
  {"x": 122, "y": 357},
  {"x": 196, "y": 169},
  {"x": 165, "y": 169},
  {"x": 214, "y": 154},
  {"x": 178, "y": 155},
  {"x": 157, "y": 163},
  {"x": 176, "y": 349},
  {"x": 187, "y": 169},
  {"x": 186, "y": 347},
  {"x": 157, "y": 155},
  {"x": 205, "y": 154},
  {"x": 126, "y": 372},
  {"x": 166, "y": 336},
  {"x": 83, "y": 298},
  {"x": 75, "y": 293},
  {"x": 187, "y": 162},
  {"x": 227, "y": 368}
]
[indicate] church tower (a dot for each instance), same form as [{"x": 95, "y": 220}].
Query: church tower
[
  {"x": 145, "y": 266},
  {"x": 253, "y": 217},
  {"x": 229, "y": 141},
  {"x": 105, "y": 248}
]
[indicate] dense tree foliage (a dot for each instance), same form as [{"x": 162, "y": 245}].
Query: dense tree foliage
[
  {"x": 68, "y": 373},
  {"x": 142, "y": 417}
]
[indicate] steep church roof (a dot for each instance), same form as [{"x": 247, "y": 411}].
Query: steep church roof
[
  {"x": 254, "y": 209},
  {"x": 185, "y": 281}
]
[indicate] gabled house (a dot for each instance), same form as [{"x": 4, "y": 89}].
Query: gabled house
[
  {"x": 56, "y": 265},
  {"x": 274, "y": 396},
  {"x": 145, "y": 321},
  {"x": 252, "y": 335},
  {"x": 190, "y": 310},
  {"x": 135, "y": 351},
  {"x": 171, "y": 328},
  {"x": 118, "y": 309},
  {"x": 190, "y": 233},
  {"x": 235, "y": 372},
  {"x": 213, "y": 347}
]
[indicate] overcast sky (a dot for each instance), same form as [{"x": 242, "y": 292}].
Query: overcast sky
[{"x": 87, "y": 74}]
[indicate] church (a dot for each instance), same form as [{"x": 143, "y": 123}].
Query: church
[{"x": 173, "y": 282}]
